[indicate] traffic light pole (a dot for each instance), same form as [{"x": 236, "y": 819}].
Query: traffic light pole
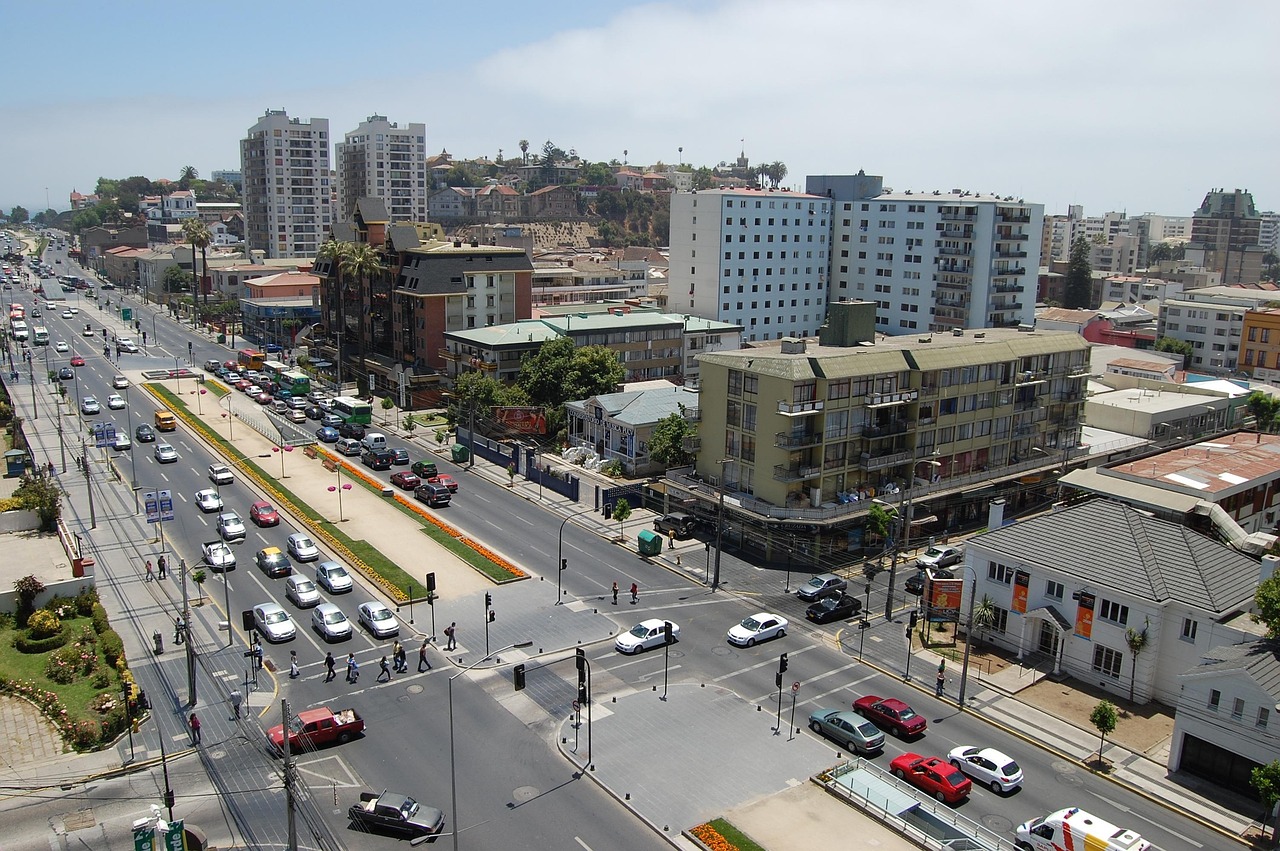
[{"x": 782, "y": 669}]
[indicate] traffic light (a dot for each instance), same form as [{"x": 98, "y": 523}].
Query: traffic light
[
  {"x": 666, "y": 632},
  {"x": 564, "y": 563},
  {"x": 488, "y": 600},
  {"x": 493, "y": 616},
  {"x": 168, "y": 798},
  {"x": 777, "y": 679},
  {"x": 431, "y": 582},
  {"x": 517, "y": 674},
  {"x": 782, "y": 664},
  {"x": 911, "y": 622}
]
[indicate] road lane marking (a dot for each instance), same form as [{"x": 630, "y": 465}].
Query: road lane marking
[
  {"x": 766, "y": 663},
  {"x": 578, "y": 839}
]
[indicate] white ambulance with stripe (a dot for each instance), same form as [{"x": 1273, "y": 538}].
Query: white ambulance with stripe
[{"x": 1075, "y": 830}]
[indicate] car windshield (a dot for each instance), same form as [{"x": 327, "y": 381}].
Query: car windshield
[
  {"x": 302, "y": 543},
  {"x": 379, "y": 614},
  {"x": 305, "y": 586},
  {"x": 335, "y": 617},
  {"x": 273, "y": 558},
  {"x": 933, "y": 552},
  {"x": 640, "y": 631},
  {"x": 751, "y": 624},
  {"x": 276, "y": 617},
  {"x": 955, "y": 778},
  {"x": 817, "y": 582},
  {"x": 336, "y": 572}
]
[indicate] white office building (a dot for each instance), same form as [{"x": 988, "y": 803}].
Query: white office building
[
  {"x": 937, "y": 261},
  {"x": 287, "y": 191},
  {"x": 381, "y": 159},
  {"x": 1211, "y": 319},
  {"x": 754, "y": 258}
]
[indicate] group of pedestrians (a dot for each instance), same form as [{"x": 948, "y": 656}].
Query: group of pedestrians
[
  {"x": 399, "y": 664},
  {"x": 162, "y": 563},
  {"x": 635, "y": 593}
]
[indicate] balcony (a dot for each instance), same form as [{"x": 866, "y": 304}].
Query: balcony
[
  {"x": 800, "y": 409},
  {"x": 961, "y": 252},
  {"x": 888, "y": 429},
  {"x": 1009, "y": 271},
  {"x": 796, "y": 472},
  {"x": 882, "y": 462},
  {"x": 1006, "y": 307},
  {"x": 1013, "y": 219},
  {"x": 958, "y": 216},
  {"x": 1015, "y": 237},
  {"x": 955, "y": 233},
  {"x": 693, "y": 415},
  {"x": 1011, "y": 254},
  {"x": 792, "y": 441},
  {"x": 900, "y": 397},
  {"x": 1008, "y": 288},
  {"x": 449, "y": 355},
  {"x": 691, "y": 444},
  {"x": 963, "y": 286}
]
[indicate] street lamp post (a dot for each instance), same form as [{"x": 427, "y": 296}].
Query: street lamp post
[
  {"x": 715, "y": 579},
  {"x": 968, "y": 638},
  {"x": 453, "y": 762}
]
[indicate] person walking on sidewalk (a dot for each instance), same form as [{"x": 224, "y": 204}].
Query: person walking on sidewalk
[
  {"x": 942, "y": 678},
  {"x": 615, "y": 593},
  {"x": 383, "y": 670},
  {"x": 635, "y": 593},
  {"x": 151, "y": 572},
  {"x": 195, "y": 729},
  {"x": 236, "y": 700},
  {"x": 163, "y": 565},
  {"x": 422, "y": 657},
  {"x": 671, "y": 539},
  {"x": 329, "y": 665},
  {"x": 397, "y": 658},
  {"x": 451, "y": 633}
]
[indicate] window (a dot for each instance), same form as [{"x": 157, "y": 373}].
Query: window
[
  {"x": 1000, "y": 573},
  {"x": 1000, "y": 620},
  {"x": 1107, "y": 661},
  {"x": 1114, "y": 612},
  {"x": 1053, "y": 590},
  {"x": 1263, "y": 715},
  {"x": 1237, "y": 709},
  {"x": 1215, "y": 698},
  {"x": 1188, "y": 630}
]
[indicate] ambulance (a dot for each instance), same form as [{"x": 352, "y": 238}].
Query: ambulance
[{"x": 1075, "y": 830}]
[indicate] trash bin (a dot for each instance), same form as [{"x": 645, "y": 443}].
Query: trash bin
[
  {"x": 650, "y": 543},
  {"x": 222, "y": 338},
  {"x": 461, "y": 453}
]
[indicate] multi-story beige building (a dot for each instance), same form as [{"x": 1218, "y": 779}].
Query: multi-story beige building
[
  {"x": 381, "y": 159},
  {"x": 287, "y": 185}
]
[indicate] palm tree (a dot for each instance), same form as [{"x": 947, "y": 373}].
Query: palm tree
[
  {"x": 187, "y": 175},
  {"x": 777, "y": 171},
  {"x": 362, "y": 263},
  {"x": 524, "y": 151},
  {"x": 198, "y": 235},
  {"x": 336, "y": 253}
]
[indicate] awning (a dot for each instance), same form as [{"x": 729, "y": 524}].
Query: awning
[{"x": 1049, "y": 613}]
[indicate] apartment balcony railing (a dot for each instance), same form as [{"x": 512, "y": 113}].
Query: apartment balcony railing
[
  {"x": 1006, "y": 307},
  {"x": 898, "y": 396},
  {"x": 954, "y": 285},
  {"x": 888, "y": 429},
  {"x": 1010, "y": 270},
  {"x": 961, "y": 252},
  {"x": 1013, "y": 218},
  {"x": 1008, "y": 288},
  {"x": 789, "y": 440},
  {"x": 791, "y": 409},
  {"x": 1010, "y": 254},
  {"x": 693, "y": 415},
  {"x": 1014, "y": 237},
  {"x": 691, "y": 444},
  {"x": 449, "y": 355},
  {"x": 881, "y": 462},
  {"x": 958, "y": 217},
  {"x": 796, "y": 472},
  {"x": 955, "y": 233}
]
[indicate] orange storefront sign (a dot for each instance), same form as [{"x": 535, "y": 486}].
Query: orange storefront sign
[
  {"x": 1084, "y": 615},
  {"x": 1021, "y": 584}
]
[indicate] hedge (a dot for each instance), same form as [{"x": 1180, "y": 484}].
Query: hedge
[{"x": 25, "y": 644}]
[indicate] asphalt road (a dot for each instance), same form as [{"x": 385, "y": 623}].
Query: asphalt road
[{"x": 512, "y": 786}]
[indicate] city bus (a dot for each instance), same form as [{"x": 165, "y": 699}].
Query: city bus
[
  {"x": 40, "y": 336},
  {"x": 250, "y": 359},
  {"x": 295, "y": 382},
  {"x": 273, "y": 368},
  {"x": 353, "y": 410}
]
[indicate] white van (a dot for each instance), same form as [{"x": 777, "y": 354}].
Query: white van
[{"x": 375, "y": 441}]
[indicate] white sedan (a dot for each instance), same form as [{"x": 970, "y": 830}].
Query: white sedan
[
  {"x": 120, "y": 382},
  {"x": 646, "y": 635},
  {"x": 61, "y": 347},
  {"x": 218, "y": 555},
  {"x": 115, "y": 402},
  {"x": 122, "y": 442},
  {"x": 333, "y": 577},
  {"x": 302, "y": 548},
  {"x": 209, "y": 500},
  {"x": 759, "y": 627},
  {"x": 67, "y": 314},
  {"x": 987, "y": 766},
  {"x": 273, "y": 622},
  {"x": 378, "y": 619}
]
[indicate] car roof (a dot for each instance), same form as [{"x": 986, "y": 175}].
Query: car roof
[
  {"x": 327, "y": 608},
  {"x": 262, "y": 503},
  {"x": 375, "y": 605},
  {"x": 299, "y": 536},
  {"x": 269, "y": 607},
  {"x": 652, "y": 622},
  {"x": 268, "y": 551}
]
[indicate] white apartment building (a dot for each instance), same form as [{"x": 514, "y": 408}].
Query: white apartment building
[
  {"x": 287, "y": 190},
  {"x": 1269, "y": 233},
  {"x": 1211, "y": 319},
  {"x": 1118, "y": 243},
  {"x": 938, "y": 261},
  {"x": 763, "y": 264},
  {"x": 380, "y": 159},
  {"x": 1133, "y": 289},
  {"x": 1161, "y": 228}
]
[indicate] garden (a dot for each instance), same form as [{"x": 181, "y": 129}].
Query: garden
[{"x": 66, "y": 660}]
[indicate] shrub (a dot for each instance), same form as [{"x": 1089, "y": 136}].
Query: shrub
[
  {"x": 28, "y": 588},
  {"x": 112, "y": 647},
  {"x": 85, "y": 734},
  {"x": 10, "y": 503},
  {"x": 85, "y": 601},
  {"x": 25, "y": 644},
  {"x": 61, "y": 666},
  {"x": 100, "y": 621},
  {"x": 43, "y": 624},
  {"x": 113, "y": 723},
  {"x": 102, "y": 678}
]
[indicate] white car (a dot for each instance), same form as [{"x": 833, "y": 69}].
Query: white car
[
  {"x": 166, "y": 454},
  {"x": 759, "y": 627},
  {"x": 218, "y": 555},
  {"x": 646, "y": 635},
  {"x": 252, "y": 390},
  {"x": 328, "y": 620},
  {"x": 333, "y": 577},
  {"x": 294, "y": 415},
  {"x": 89, "y": 405},
  {"x": 61, "y": 347},
  {"x": 231, "y": 527},
  {"x": 67, "y": 314},
  {"x": 273, "y": 622},
  {"x": 115, "y": 402},
  {"x": 302, "y": 548},
  {"x": 122, "y": 442},
  {"x": 209, "y": 500},
  {"x": 302, "y": 591},
  {"x": 987, "y": 766},
  {"x": 378, "y": 619},
  {"x": 124, "y": 344},
  {"x": 120, "y": 382},
  {"x": 220, "y": 474},
  {"x": 87, "y": 332}
]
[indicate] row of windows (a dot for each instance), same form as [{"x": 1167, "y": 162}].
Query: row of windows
[{"x": 1237, "y": 709}]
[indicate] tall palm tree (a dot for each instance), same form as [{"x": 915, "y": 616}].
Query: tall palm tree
[
  {"x": 524, "y": 151},
  {"x": 187, "y": 175},
  {"x": 777, "y": 172},
  {"x": 336, "y": 253},
  {"x": 362, "y": 263},
  {"x": 198, "y": 236}
]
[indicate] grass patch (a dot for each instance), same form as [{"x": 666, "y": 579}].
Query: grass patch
[
  {"x": 735, "y": 837},
  {"x": 217, "y": 388}
]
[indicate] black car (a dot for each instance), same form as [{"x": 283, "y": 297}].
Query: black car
[
  {"x": 313, "y": 412},
  {"x": 355, "y": 431},
  {"x": 145, "y": 433},
  {"x": 915, "y": 584},
  {"x": 65, "y": 374},
  {"x": 830, "y": 609},
  {"x": 391, "y": 812}
]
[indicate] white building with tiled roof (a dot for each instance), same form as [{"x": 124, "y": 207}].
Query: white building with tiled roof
[{"x": 617, "y": 426}]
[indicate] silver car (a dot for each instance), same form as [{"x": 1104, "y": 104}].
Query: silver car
[
  {"x": 848, "y": 728},
  {"x": 302, "y": 548},
  {"x": 302, "y": 591},
  {"x": 166, "y": 454},
  {"x": 273, "y": 622},
  {"x": 231, "y": 527},
  {"x": 328, "y": 620},
  {"x": 209, "y": 500},
  {"x": 333, "y": 577},
  {"x": 822, "y": 585},
  {"x": 378, "y": 619}
]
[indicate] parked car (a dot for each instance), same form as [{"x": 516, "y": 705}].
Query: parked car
[
  {"x": 395, "y": 813},
  {"x": 208, "y": 500},
  {"x": 302, "y": 591},
  {"x": 822, "y": 585},
  {"x": 264, "y": 514},
  {"x": 406, "y": 480},
  {"x": 273, "y": 622},
  {"x": 220, "y": 474},
  {"x": 273, "y": 562},
  {"x": 759, "y": 627},
  {"x": 830, "y": 609},
  {"x": 940, "y": 555},
  {"x": 378, "y": 619},
  {"x": 988, "y": 766},
  {"x": 328, "y": 620},
  {"x": 845, "y": 727},
  {"x": 301, "y": 547},
  {"x": 933, "y": 775},
  {"x": 677, "y": 522},
  {"x": 890, "y": 714},
  {"x": 218, "y": 555},
  {"x": 333, "y": 577},
  {"x": 646, "y": 635}
]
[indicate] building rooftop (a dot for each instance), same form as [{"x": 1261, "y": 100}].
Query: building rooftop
[
  {"x": 1134, "y": 363},
  {"x": 1146, "y": 557},
  {"x": 1212, "y": 469},
  {"x": 951, "y": 198},
  {"x": 524, "y": 332},
  {"x": 1258, "y": 659},
  {"x": 1171, "y": 397},
  {"x": 748, "y": 190},
  {"x": 644, "y": 403}
]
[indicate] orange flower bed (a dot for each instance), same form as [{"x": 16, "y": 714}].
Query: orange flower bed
[{"x": 711, "y": 838}]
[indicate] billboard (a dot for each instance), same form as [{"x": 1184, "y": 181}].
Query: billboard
[
  {"x": 1021, "y": 586},
  {"x": 944, "y": 600},
  {"x": 522, "y": 420},
  {"x": 1084, "y": 615}
]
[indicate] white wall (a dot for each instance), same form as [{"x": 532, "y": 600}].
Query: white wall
[{"x": 1242, "y": 735}]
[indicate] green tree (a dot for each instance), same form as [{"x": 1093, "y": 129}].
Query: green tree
[
  {"x": 1104, "y": 718},
  {"x": 1266, "y": 599},
  {"x": 199, "y": 576},
  {"x": 524, "y": 151},
  {"x": 597, "y": 174},
  {"x": 984, "y": 615},
  {"x": 27, "y": 588},
  {"x": 459, "y": 175},
  {"x": 703, "y": 178},
  {"x": 335, "y": 253},
  {"x": 621, "y": 511},
  {"x": 1079, "y": 284},
  {"x": 1175, "y": 346},
  {"x": 1265, "y": 409},
  {"x": 666, "y": 443},
  {"x": 1271, "y": 266},
  {"x": 177, "y": 280},
  {"x": 186, "y": 176},
  {"x": 559, "y": 371},
  {"x": 41, "y": 495},
  {"x": 387, "y": 404},
  {"x": 361, "y": 263},
  {"x": 198, "y": 236},
  {"x": 1137, "y": 641},
  {"x": 480, "y": 393},
  {"x": 18, "y": 214},
  {"x": 1265, "y": 780}
]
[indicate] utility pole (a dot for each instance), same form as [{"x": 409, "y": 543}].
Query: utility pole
[
  {"x": 289, "y": 777},
  {"x": 186, "y": 628},
  {"x": 84, "y": 462},
  {"x": 715, "y": 578}
]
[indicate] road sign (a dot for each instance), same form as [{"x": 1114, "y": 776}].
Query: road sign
[
  {"x": 152, "y": 506},
  {"x": 795, "y": 688},
  {"x": 166, "y": 505},
  {"x": 126, "y": 314}
]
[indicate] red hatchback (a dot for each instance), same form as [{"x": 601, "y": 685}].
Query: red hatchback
[
  {"x": 934, "y": 775},
  {"x": 405, "y": 479},
  {"x": 262, "y": 514},
  {"x": 77, "y": 361},
  {"x": 446, "y": 480},
  {"x": 892, "y": 714}
]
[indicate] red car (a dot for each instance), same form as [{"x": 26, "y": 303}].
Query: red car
[
  {"x": 241, "y": 383},
  {"x": 77, "y": 361},
  {"x": 892, "y": 714},
  {"x": 405, "y": 479},
  {"x": 262, "y": 514},
  {"x": 263, "y": 398},
  {"x": 934, "y": 775},
  {"x": 446, "y": 480}
]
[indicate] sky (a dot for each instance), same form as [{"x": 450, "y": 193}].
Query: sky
[{"x": 1137, "y": 106}]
